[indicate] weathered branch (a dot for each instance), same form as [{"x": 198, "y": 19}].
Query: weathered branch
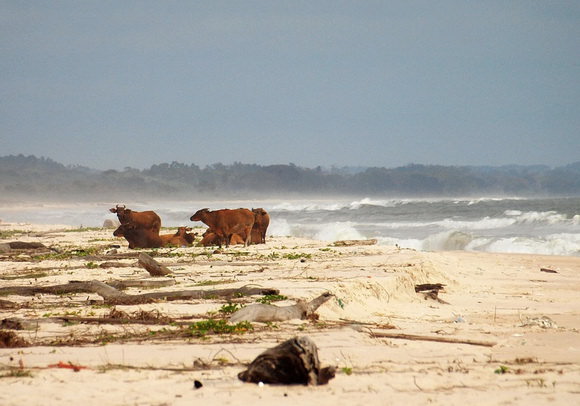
[
  {"x": 267, "y": 313},
  {"x": 350, "y": 243},
  {"x": 80, "y": 287},
  {"x": 385, "y": 334},
  {"x": 153, "y": 267}
]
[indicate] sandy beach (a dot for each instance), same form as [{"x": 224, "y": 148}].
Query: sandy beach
[{"x": 504, "y": 330}]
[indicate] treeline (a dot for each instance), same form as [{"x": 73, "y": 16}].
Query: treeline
[{"x": 29, "y": 177}]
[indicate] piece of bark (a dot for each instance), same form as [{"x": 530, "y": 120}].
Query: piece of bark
[
  {"x": 15, "y": 323},
  {"x": 350, "y": 243},
  {"x": 153, "y": 267},
  {"x": 294, "y": 361},
  {"x": 268, "y": 313},
  {"x": 8, "y": 339},
  {"x": 429, "y": 286},
  {"x": 434, "y": 294},
  {"x": 386, "y": 334},
  {"x": 114, "y": 264},
  {"x": 21, "y": 245},
  {"x": 7, "y": 304}
]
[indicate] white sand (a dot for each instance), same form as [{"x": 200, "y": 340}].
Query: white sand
[{"x": 497, "y": 298}]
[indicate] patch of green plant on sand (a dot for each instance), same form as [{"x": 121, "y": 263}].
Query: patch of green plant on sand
[
  {"x": 230, "y": 308},
  {"x": 17, "y": 373},
  {"x": 69, "y": 254},
  {"x": 10, "y": 233},
  {"x": 268, "y": 299},
  {"x": 297, "y": 255},
  {"x": 82, "y": 229},
  {"x": 213, "y": 326},
  {"x": 216, "y": 282}
]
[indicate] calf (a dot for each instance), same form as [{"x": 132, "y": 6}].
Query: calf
[
  {"x": 226, "y": 222},
  {"x": 183, "y": 233},
  {"x": 210, "y": 238}
]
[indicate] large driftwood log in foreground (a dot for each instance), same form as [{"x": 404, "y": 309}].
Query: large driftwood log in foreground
[
  {"x": 294, "y": 361},
  {"x": 385, "y": 334},
  {"x": 268, "y": 313},
  {"x": 153, "y": 267}
]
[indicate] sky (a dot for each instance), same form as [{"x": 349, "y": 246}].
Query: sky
[{"x": 115, "y": 84}]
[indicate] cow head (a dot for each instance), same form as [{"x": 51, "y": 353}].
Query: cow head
[
  {"x": 199, "y": 214},
  {"x": 118, "y": 208},
  {"x": 123, "y": 229}
]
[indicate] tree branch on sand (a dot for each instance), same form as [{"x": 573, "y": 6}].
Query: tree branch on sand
[
  {"x": 267, "y": 313},
  {"x": 417, "y": 337},
  {"x": 114, "y": 296}
]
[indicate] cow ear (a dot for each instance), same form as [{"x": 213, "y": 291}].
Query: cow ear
[{"x": 113, "y": 210}]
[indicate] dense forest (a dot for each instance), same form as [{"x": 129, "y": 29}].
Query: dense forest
[{"x": 29, "y": 177}]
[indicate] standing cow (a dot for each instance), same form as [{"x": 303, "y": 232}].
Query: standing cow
[
  {"x": 261, "y": 223},
  {"x": 146, "y": 220},
  {"x": 226, "y": 222}
]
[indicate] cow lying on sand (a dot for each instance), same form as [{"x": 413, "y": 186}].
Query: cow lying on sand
[
  {"x": 211, "y": 238},
  {"x": 226, "y": 222},
  {"x": 141, "y": 238}
]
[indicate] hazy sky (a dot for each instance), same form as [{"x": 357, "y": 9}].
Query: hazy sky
[{"x": 110, "y": 84}]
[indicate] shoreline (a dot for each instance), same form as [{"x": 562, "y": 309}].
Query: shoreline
[{"x": 504, "y": 299}]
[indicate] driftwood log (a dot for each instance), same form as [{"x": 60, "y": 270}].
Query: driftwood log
[
  {"x": 112, "y": 295},
  {"x": 294, "y": 361},
  {"x": 153, "y": 267},
  {"x": 268, "y": 313},
  {"x": 417, "y": 337},
  {"x": 429, "y": 286},
  {"x": 80, "y": 287},
  {"x": 350, "y": 243}
]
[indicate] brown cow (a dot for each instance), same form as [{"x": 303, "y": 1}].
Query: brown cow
[
  {"x": 141, "y": 238},
  {"x": 261, "y": 223},
  {"x": 227, "y": 222},
  {"x": 183, "y": 233},
  {"x": 147, "y": 220}
]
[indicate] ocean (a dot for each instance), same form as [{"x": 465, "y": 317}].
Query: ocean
[{"x": 511, "y": 225}]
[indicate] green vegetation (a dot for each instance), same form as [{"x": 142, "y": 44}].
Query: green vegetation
[
  {"x": 230, "y": 308},
  {"x": 30, "y": 176},
  {"x": 216, "y": 282},
  {"x": 73, "y": 253},
  {"x": 347, "y": 370},
  {"x": 10, "y": 233},
  {"x": 82, "y": 229},
  {"x": 17, "y": 373},
  {"x": 268, "y": 299},
  {"x": 212, "y": 326},
  {"x": 297, "y": 255},
  {"x": 91, "y": 265},
  {"x": 502, "y": 370}
]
